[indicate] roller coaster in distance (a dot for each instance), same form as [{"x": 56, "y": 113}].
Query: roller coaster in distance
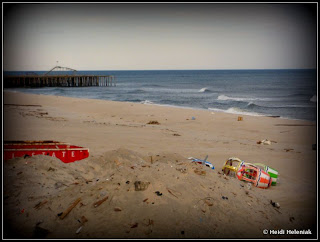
[{"x": 61, "y": 68}]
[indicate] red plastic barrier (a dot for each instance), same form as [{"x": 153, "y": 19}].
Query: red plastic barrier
[{"x": 65, "y": 152}]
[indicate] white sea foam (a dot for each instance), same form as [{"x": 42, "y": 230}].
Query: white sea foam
[
  {"x": 234, "y": 110},
  {"x": 314, "y": 99},
  {"x": 224, "y": 98},
  {"x": 146, "y": 102},
  {"x": 168, "y": 105}
]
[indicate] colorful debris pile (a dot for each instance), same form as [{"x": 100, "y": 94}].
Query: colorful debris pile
[{"x": 260, "y": 175}]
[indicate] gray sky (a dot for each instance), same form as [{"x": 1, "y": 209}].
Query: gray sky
[{"x": 159, "y": 36}]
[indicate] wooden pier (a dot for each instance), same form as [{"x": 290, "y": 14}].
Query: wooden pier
[
  {"x": 54, "y": 80},
  {"x": 58, "y": 81}
]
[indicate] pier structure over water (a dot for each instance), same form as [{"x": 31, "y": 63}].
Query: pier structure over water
[{"x": 58, "y": 80}]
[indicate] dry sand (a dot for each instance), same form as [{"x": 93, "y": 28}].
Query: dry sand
[{"x": 124, "y": 149}]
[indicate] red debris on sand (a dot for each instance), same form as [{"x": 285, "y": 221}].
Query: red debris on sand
[{"x": 64, "y": 151}]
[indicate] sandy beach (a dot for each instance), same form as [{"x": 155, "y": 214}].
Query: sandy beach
[{"x": 182, "y": 199}]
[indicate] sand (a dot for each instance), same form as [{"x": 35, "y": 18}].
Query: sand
[{"x": 182, "y": 199}]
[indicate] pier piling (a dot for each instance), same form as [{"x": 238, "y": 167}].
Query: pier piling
[{"x": 58, "y": 81}]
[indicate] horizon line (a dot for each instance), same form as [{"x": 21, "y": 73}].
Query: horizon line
[{"x": 315, "y": 68}]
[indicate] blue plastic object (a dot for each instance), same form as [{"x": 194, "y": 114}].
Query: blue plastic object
[{"x": 204, "y": 162}]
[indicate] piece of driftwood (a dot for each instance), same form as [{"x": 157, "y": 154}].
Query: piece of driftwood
[
  {"x": 68, "y": 210},
  {"x": 98, "y": 203},
  {"x": 174, "y": 193},
  {"x": 40, "y": 204}
]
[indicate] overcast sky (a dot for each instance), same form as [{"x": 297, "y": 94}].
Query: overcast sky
[{"x": 159, "y": 36}]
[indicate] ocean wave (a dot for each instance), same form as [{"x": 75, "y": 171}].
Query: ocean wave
[
  {"x": 235, "y": 110},
  {"x": 205, "y": 89},
  {"x": 240, "y": 99},
  {"x": 313, "y": 99},
  {"x": 146, "y": 102},
  {"x": 252, "y": 105}
]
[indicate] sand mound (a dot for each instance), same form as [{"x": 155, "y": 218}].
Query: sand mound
[{"x": 181, "y": 199}]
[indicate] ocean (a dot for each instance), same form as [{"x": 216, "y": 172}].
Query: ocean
[{"x": 289, "y": 94}]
